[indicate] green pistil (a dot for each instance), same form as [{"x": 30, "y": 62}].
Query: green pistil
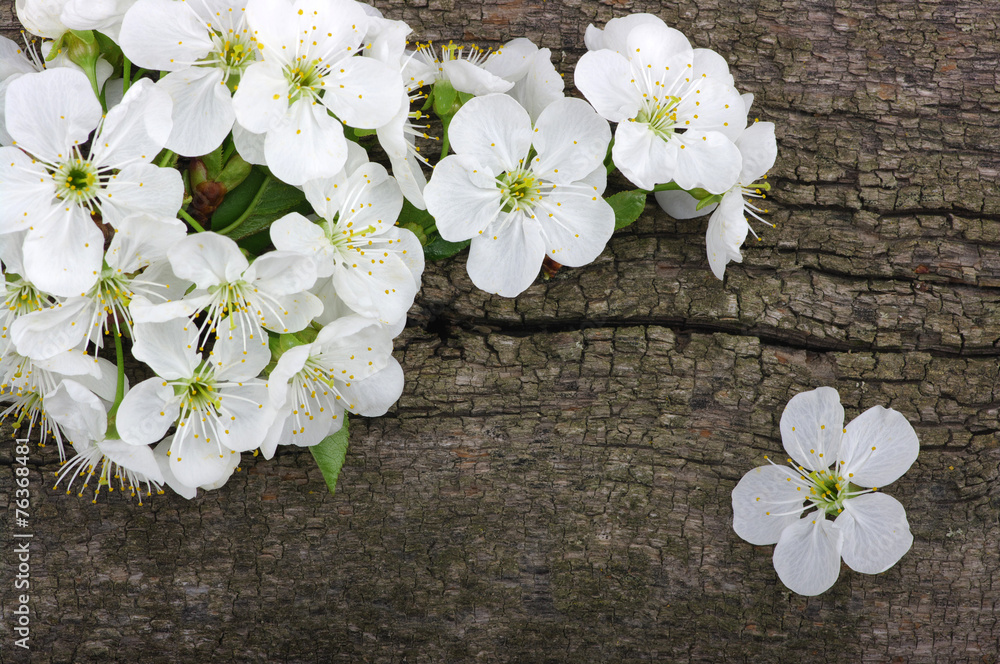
[
  {"x": 22, "y": 298},
  {"x": 76, "y": 181},
  {"x": 198, "y": 392},
  {"x": 519, "y": 189},
  {"x": 304, "y": 80},
  {"x": 660, "y": 116},
  {"x": 830, "y": 491}
]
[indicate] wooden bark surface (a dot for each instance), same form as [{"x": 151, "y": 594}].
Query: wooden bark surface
[{"x": 554, "y": 485}]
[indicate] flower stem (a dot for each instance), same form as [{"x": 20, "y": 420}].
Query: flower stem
[
  {"x": 250, "y": 208},
  {"x": 445, "y": 143},
  {"x": 188, "y": 218},
  {"x": 120, "y": 386},
  {"x": 126, "y": 74},
  {"x": 165, "y": 158}
]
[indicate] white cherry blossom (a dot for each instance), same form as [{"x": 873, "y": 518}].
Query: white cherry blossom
[
  {"x": 837, "y": 472},
  {"x": 308, "y": 69},
  {"x": 217, "y": 403},
  {"x": 51, "y": 189},
  {"x": 53, "y": 18},
  {"x": 206, "y": 45},
  {"x": 677, "y": 111},
  {"x": 348, "y": 367},
  {"x": 729, "y": 224},
  {"x": 373, "y": 266},
  {"x": 83, "y": 416},
  {"x": 522, "y": 192}
]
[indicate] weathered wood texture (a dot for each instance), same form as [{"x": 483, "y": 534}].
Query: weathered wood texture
[{"x": 554, "y": 485}]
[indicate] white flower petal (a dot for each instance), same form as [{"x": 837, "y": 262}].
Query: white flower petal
[
  {"x": 196, "y": 462},
  {"x": 239, "y": 353},
  {"x": 146, "y": 412},
  {"x": 463, "y": 197},
  {"x": 295, "y": 233},
  {"x": 44, "y": 334},
  {"x": 876, "y": 532},
  {"x": 505, "y": 260},
  {"x": 759, "y": 149},
  {"x": 709, "y": 105},
  {"x": 541, "y": 85},
  {"x": 72, "y": 406},
  {"x": 807, "y": 555},
  {"x": 282, "y": 272},
  {"x": 576, "y": 226},
  {"x": 49, "y": 112},
  {"x": 812, "y": 426},
  {"x": 202, "y": 111},
  {"x": 643, "y": 157},
  {"x": 727, "y": 229},
  {"x": 136, "y": 129},
  {"x": 494, "y": 130},
  {"x": 879, "y": 446},
  {"x": 682, "y": 205},
  {"x": 374, "y": 395},
  {"x": 571, "y": 140},
  {"x": 363, "y": 92},
  {"x": 765, "y": 502},
  {"x": 384, "y": 289},
  {"x": 470, "y": 79},
  {"x": 142, "y": 188},
  {"x": 63, "y": 257},
  {"x": 163, "y": 462},
  {"x": 141, "y": 240},
  {"x": 261, "y": 101},
  {"x": 163, "y": 35},
  {"x": 249, "y": 145},
  {"x": 604, "y": 78},
  {"x": 26, "y": 189},
  {"x": 652, "y": 46},
  {"x": 709, "y": 64},
  {"x": 246, "y": 415},
  {"x": 512, "y": 60},
  {"x": 706, "y": 159},
  {"x": 137, "y": 458},
  {"x": 170, "y": 348},
  {"x": 616, "y": 32},
  {"x": 207, "y": 259},
  {"x": 306, "y": 145}
]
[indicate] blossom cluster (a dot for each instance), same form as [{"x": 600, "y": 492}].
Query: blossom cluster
[{"x": 187, "y": 187}]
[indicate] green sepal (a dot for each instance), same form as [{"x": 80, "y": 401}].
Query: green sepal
[
  {"x": 110, "y": 50},
  {"x": 416, "y": 230},
  {"x": 446, "y": 102},
  {"x": 628, "y": 206},
  {"x": 330, "y": 454},
  {"x": 708, "y": 200}
]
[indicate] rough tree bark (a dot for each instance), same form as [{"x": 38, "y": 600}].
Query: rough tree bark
[{"x": 554, "y": 485}]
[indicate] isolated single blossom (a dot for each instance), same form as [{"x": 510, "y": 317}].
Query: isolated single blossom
[
  {"x": 308, "y": 69},
  {"x": 104, "y": 307},
  {"x": 217, "y": 403},
  {"x": 206, "y": 45},
  {"x": 373, "y": 265},
  {"x": 677, "y": 111},
  {"x": 348, "y": 367},
  {"x": 84, "y": 419},
  {"x": 522, "y": 192},
  {"x": 729, "y": 225},
  {"x": 834, "y": 472},
  {"x": 51, "y": 190}
]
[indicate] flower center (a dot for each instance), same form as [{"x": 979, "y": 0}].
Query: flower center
[
  {"x": 520, "y": 190},
  {"x": 198, "y": 393},
  {"x": 305, "y": 79},
  {"x": 660, "y": 115},
  {"x": 22, "y": 298},
  {"x": 233, "y": 53},
  {"x": 76, "y": 181}
]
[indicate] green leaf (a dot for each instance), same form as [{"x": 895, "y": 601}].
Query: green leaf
[
  {"x": 628, "y": 206},
  {"x": 330, "y": 455},
  {"x": 417, "y": 217},
  {"x": 272, "y": 199},
  {"x": 438, "y": 248}
]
